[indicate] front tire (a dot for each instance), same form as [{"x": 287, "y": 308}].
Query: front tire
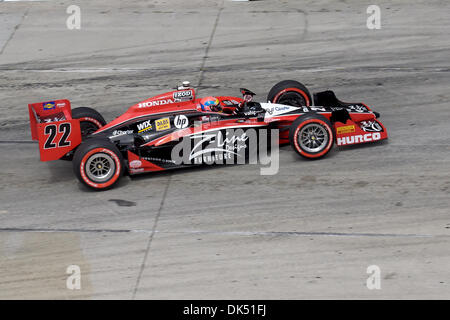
[
  {"x": 98, "y": 164},
  {"x": 311, "y": 136},
  {"x": 290, "y": 92}
]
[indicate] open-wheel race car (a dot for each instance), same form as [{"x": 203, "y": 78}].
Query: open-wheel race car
[{"x": 142, "y": 139}]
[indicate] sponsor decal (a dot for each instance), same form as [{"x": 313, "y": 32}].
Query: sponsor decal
[
  {"x": 346, "y": 129},
  {"x": 162, "y": 124},
  {"x": 318, "y": 109},
  {"x": 183, "y": 95},
  {"x": 121, "y": 132},
  {"x": 228, "y": 146},
  {"x": 278, "y": 109},
  {"x": 371, "y": 126},
  {"x": 154, "y": 103},
  {"x": 357, "y": 108},
  {"x": 158, "y": 159},
  {"x": 144, "y": 126},
  {"x": 230, "y": 102},
  {"x": 250, "y": 113},
  {"x": 368, "y": 137},
  {"x": 273, "y": 109},
  {"x": 138, "y": 170},
  {"x": 181, "y": 121},
  {"x": 212, "y": 118},
  {"x": 351, "y": 108},
  {"x": 209, "y": 158},
  {"x": 135, "y": 164},
  {"x": 49, "y": 105},
  {"x": 61, "y": 105}
]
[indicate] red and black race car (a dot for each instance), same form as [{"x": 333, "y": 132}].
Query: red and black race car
[{"x": 143, "y": 138}]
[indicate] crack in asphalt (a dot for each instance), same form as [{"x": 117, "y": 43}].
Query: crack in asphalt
[
  {"x": 205, "y": 56},
  {"x": 150, "y": 240},
  {"x": 14, "y": 31}
]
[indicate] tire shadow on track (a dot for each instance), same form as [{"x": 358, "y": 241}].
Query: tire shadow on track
[{"x": 362, "y": 146}]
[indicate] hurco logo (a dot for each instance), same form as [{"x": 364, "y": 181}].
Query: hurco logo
[
  {"x": 359, "y": 138},
  {"x": 154, "y": 103}
]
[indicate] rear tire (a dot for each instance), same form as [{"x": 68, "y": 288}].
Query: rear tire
[
  {"x": 90, "y": 120},
  {"x": 311, "y": 136},
  {"x": 290, "y": 92},
  {"x": 98, "y": 164}
]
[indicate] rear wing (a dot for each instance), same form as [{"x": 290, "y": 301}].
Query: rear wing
[{"x": 52, "y": 125}]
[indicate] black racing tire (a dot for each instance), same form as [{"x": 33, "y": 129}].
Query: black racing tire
[
  {"x": 102, "y": 152},
  {"x": 90, "y": 120},
  {"x": 311, "y": 135},
  {"x": 290, "y": 92}
]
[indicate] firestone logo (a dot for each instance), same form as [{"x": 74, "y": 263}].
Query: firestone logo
[{"x": 154, "y": 103}]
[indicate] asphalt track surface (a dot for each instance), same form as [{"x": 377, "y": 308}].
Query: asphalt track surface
[{"x": 309, "y": 231}]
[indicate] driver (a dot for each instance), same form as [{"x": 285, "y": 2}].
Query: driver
[{"x": 210, "y": 104}]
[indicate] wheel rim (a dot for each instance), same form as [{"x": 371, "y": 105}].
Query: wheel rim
[
  {"x": 313, "y": 137},
  {"x": 87, "y": 128},
  {"x": 291, "y": 98},
  {"x": 100, "y": 167}
]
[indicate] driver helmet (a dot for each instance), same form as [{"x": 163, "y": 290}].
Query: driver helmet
[{"x": 210, "y": 104}]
